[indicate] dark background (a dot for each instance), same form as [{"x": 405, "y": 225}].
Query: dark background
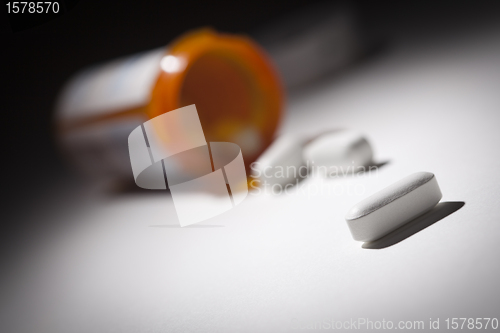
[{"x": 36, "y": 62}]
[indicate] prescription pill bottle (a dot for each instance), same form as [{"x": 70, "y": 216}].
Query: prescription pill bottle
[{"x": 229, "y": 78}]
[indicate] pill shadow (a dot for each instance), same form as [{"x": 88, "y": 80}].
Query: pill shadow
[
  {"x": 369, "y": 169},
  {"x": 374, "y": 166},
  {"x": 439, "y": 212}
]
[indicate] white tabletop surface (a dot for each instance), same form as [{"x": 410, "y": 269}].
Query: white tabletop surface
[{"x": 286, "y": 262}]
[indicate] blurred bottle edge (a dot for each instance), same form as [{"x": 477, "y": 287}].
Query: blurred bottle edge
[
  {"x": 303, "y": 47},
  {"x": 101, "y": 105}
]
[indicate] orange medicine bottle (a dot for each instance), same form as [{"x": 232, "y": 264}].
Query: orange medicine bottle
[{"x": 229, "y": 78}]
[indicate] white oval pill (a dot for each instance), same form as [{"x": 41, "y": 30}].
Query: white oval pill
[
  {"x": 282, "y": 162},
  {"x": 394, "y": 206},
  {"x": 346, "y": 150}
]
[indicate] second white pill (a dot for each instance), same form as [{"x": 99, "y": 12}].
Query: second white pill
[{"x": 344, "y": 151}]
